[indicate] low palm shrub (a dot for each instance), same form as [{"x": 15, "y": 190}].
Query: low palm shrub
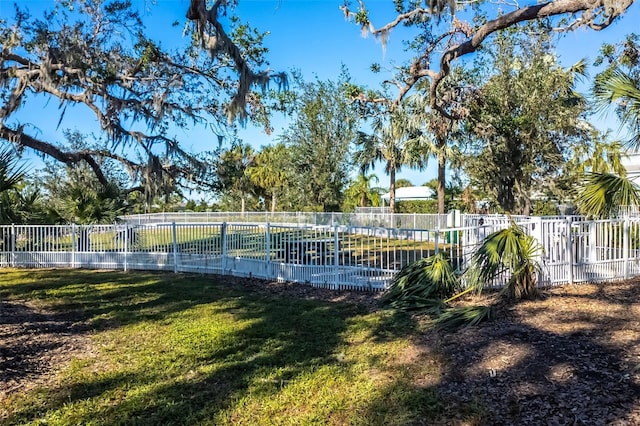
[{"x": 429, "y": 285}]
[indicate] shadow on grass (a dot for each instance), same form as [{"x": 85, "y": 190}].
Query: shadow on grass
[
  {"x": 184, "y": 373},
  {"x": 516, "y": 370}
]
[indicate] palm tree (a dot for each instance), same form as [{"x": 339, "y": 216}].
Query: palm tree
[
  {"x": 602, "y": 193},
  {"x": 361, "y": 193},
  {"x": 268, "y": 171},
  {"x": 397, "y": 142},
  {"x": 12, "y": 174},
  {"x": 508, "y": 251},
  {"x": 232, "y": 171}
]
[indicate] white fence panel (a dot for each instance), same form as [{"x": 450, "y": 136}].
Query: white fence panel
[{"x": 333, "y": 256}]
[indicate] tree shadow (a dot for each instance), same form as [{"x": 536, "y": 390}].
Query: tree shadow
[
  {"x": 566, "y": 360},
  {"x": 287, "y": 336}
]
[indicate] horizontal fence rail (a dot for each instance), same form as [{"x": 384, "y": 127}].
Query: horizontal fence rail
[
  {"x": 388, "y": 220},
  {"x": 339, "y": 256}
]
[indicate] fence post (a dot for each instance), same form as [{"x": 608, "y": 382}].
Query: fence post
[
  {"x": 73, "y": 245},
  {"x": 569, "y": 250},
  {"x": 336, "y": 257},
  {"x": 537, "y": 232},
  {"x": 126, "y": 243},
  {"x": 223, "y": 240},
  {"x": 267, "y": 248},
  {"x": 593, "y": 242},
  {"x": 13, "y": 245},
  {"x": 175, "y": 247},
  {"x": 625, "y": 246}
]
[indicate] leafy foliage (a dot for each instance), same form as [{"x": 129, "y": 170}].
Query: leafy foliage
[
  {"x": 320, "y": 141},
  {"x": 508, "y": 251},
  {"x": 520, "y": 137},
  {"x": 601, "y": 194},
  {"x": 18, "y": 203},
  {"x": 422, "y": 285}
]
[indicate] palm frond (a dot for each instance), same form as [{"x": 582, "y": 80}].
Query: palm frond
[
  {"x": 511, "y": 251},
  {"x": 456, "y": 318},
  {"x": 601, "y": 194},
  {"x": 422, "y": 282}
]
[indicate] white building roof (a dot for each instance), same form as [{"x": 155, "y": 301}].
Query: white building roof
[{"x": 411, "y": 193}]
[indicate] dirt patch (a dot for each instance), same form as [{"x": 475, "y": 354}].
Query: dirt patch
[
  {"x": 572, "y": 358},
  {"x": 366, "y": 300},
  {"x": 35, "y": 344}
]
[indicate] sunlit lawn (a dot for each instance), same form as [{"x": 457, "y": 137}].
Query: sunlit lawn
[{"x": 187, "y": 349}]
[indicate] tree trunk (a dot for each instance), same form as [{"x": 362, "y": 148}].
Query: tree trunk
[
  {"x": 273, "y": 203},
  {"x": 392, "y": 190},
  {"x": 442, "y": 168}
]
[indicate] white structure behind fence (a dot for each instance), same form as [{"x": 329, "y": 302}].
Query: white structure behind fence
[{"x": 355, "y": 255}]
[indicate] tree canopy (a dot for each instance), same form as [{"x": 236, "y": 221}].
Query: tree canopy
[{"x": 95, "y": 56}]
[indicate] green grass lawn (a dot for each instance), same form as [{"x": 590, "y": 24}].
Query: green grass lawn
[{"x": 190, "y": 349}]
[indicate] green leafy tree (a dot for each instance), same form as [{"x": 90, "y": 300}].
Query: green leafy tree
[
  {"x": 320, "y": 140},
  {"x": 361, "y": 193},
  {"x": 519, "y": 137}
]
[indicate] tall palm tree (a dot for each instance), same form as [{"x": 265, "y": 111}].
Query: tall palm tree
[
  {"x": 396, "y": 141},
  {"x": 441, "y": 128}
]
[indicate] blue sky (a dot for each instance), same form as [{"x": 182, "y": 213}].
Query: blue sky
[{"x": 314, "y": 37}]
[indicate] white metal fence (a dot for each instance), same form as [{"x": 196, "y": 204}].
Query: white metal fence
[
  {"x": 337, "y": 256},
  {"x": 389, "y": 220}
]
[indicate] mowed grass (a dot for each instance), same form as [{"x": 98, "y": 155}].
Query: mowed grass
[{"x": 190, "y": 349}]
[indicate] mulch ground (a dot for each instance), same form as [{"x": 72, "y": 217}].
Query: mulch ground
[{"x": 572, "y": 358}]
